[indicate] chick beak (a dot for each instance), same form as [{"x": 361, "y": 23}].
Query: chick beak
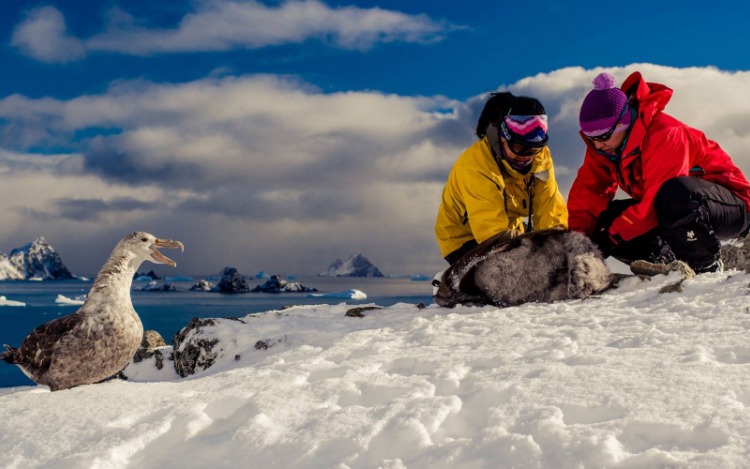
[{"x": 165, "y": 243}]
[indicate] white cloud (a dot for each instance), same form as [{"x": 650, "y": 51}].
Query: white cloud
[
  {"x": 43, "y": 35},
  {"x": 269, "y": 173},
  {"x": 275, "y": 158},
  {"x": 221, "y": 25}
]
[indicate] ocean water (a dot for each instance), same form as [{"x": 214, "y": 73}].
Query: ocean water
[{"x": 168, "y": 312}]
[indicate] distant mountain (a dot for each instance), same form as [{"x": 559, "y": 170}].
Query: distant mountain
[
  {"x": 36, "y": 260},
  {"x": 151, "y": 274},
  {"x": 356, "y": 266}
]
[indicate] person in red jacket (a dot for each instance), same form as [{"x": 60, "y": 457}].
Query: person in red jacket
[{"x": 685, "y": 192}]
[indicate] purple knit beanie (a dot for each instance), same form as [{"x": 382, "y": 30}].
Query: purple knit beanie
[{"x": 603, "y": 108}]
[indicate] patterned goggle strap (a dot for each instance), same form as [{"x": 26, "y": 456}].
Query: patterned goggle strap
[{"x": 525, "y": 129}]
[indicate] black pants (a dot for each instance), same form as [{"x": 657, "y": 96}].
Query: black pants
[{"x": 693, "y": 216}]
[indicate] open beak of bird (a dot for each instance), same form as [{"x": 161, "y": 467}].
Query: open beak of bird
[{"x": 160, "y": 258}]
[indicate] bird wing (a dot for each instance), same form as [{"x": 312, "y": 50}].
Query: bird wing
[{"x": 35, "y": 354}]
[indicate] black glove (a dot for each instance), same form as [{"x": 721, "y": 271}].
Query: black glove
[{"x": 605, "y": 242}]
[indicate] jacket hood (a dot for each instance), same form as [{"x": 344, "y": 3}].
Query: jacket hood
[{"x": 648, "y": 98}]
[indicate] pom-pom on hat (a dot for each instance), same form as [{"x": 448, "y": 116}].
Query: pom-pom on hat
[{"x": 603, "y": 108}]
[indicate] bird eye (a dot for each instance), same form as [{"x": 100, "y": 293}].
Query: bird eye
[{"x": 144, "y": 239}]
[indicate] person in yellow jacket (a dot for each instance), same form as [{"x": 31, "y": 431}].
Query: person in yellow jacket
[{"x": 504, "y": 182}]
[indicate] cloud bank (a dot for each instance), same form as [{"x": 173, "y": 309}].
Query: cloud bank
[
  {"x": 222, "y": 25},
  {"x": 269, "y": 173}
]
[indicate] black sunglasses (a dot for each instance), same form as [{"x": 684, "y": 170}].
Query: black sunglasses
[{"x": 606, "y": 135}]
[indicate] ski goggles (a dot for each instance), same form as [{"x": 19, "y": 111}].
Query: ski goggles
[{"x": 523, "y": 150}]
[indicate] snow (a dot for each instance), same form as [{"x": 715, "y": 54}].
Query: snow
[
  {"x": 353, "y": 294},
  {"x": 7, "y": 270},
  {"x": 6, "y": 302},
  {"x": 632, "y": 378}
]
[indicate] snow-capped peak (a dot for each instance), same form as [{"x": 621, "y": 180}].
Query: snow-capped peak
[
  {"x": 37, "y": 259},
  {"x": 356, "y": 266}
]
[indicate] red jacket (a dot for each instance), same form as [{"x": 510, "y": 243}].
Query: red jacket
[{"x": 658, "y": 148}]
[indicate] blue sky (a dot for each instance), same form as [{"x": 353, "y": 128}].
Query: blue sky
[
  {"x": 473, "y": 47},
  {"x": 303, "y": 131}
]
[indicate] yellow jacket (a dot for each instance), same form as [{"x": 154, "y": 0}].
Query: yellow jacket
[{"x": 482, "y": 198}]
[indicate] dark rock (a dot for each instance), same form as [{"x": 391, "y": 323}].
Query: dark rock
[
  {"x": 276, "y": 284},
  {"x": 152, "y": 339},
  {"x": 202, "y": 285},
  {"x": 149, "y": 348},
  {"x": 189, "y": 355},
  {"x": 153, "y": 286},
  {"x": 194, "y": 348},
  {"x": 150, "y": 273},
  {"x": 672, "y": 288},
  {"x": 735, "y": 254},
  {"x": 266, "y": 344},
  {"x": 231, "y": 282},
  {"x": 359, "y": 312}
]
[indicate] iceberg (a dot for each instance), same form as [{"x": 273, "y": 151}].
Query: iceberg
[
  {"x": 179, "y": 278},
  {"x": 65, "y": 301},
  {"x": 350, "y": 294},
  {"x": 6, "y": 302}
]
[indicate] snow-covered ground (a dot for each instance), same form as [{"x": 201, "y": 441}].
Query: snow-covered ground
[{"x": 633, "y": 378}]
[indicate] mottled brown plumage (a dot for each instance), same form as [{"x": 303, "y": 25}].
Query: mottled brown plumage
[
  {"x": 541, "y": 266},
  {"x": 99, "y": 339}
]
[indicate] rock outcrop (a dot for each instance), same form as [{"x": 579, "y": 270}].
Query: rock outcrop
[
  {"x": 151, "y": 274},
  {"x": 155, "y": 286},
  {"x": 152, "y": 342},
  {"x": 735, "y": 254},
  {"x": 276, "y": 284},
  {"x": 232, "y": 282},
  {"x": 202, "y": 285},
  {"x": 197, "y": 346}
]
